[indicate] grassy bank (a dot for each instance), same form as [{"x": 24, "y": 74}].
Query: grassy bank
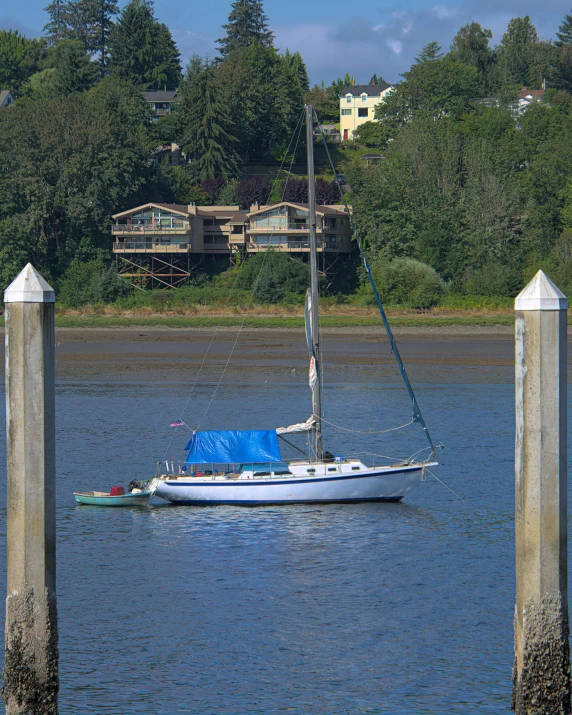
[{"x": 329, "y": 320}]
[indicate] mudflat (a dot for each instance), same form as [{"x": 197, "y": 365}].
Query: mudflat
[{"x": 357, "y": 354}]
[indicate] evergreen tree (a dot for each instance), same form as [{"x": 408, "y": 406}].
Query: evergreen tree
[
  {"x": 142, "y": 49},
  {"x": 564, "y": 33},
  {"x": 514, "y": 51},
  {"x": 101, "y": 14},
  {"x": 247, "y": 25},
  {"x": 55, "y": 29},
  {"x": 431, "y": 51},
  {"x": 78, "y": 19},
  {"x": 74, "y": 70},
  {"x": 207, "y": 139},
  {"x": 296, "y": 62},
  {"x": 377, "y": 79}
]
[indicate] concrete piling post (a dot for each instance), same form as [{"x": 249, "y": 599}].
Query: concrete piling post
[
  {"x": 541, "y": 677},
  {"x": 31, "y": 663}
]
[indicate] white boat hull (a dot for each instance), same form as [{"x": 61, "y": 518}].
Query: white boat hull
[{"x": 376, "y": 484}]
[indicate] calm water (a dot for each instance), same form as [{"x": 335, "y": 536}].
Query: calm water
[{"x": 373, "y": 608}]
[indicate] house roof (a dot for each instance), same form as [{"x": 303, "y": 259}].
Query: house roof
[
  {"x": 536, "y": 93},
  {"x": 3, "y": 94},
  {"x": 162, "y": 96},
  {"x": 178, "y": 208},
  {"x": 373, "y": 90},
  {"x": 372, "y": 156},
  {"x": 181, "y": 208},
  {"x": 320, "y": 209},
  {"x": 234, "y": 215}
]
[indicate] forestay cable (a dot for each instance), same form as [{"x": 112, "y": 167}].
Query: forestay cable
[{"x": 417, "y": 416}]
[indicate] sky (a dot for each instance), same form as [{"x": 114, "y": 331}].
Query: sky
[{"x": 333, "y": 36}]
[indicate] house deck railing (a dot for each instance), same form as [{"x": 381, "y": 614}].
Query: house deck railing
[
  {"x": 152, "y": 246},
  {"x": 285, "y": 245}
]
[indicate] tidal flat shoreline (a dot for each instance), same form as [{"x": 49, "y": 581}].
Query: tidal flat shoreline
[
  {"x": 246, "y": 356},
  {"x": 263, "y": 355}
]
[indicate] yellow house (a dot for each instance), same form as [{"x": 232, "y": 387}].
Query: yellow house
[{"x": 357, "y": 106}]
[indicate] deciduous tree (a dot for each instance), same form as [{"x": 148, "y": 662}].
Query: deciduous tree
[{"x": 471, "y": 46}]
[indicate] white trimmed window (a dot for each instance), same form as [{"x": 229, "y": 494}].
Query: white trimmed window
[
  {"x": 364, "y": 98},
  {"x": 349, "y": 98},
  {"x": 346, "y": 112}
]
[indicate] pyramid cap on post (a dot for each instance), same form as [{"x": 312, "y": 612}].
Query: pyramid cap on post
[
  {"x": 29, "y": 287},
  {"x": 541, "y": 294}
]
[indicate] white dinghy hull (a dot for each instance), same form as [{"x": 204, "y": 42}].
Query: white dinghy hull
[{"x": 379, "y": 484}]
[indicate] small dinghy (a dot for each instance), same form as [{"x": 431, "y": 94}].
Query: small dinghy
[{"x": 138, "y": 494}]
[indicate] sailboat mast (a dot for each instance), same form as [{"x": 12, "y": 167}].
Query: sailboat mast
[{"x": 317, "y": 386}]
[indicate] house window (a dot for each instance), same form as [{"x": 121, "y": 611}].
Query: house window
[
  {"x": 349, "y": 98},
  {"x": 364, "y": 98},
  {"x": 346, "y": 112},
  {"x": 363, "y": 112}
]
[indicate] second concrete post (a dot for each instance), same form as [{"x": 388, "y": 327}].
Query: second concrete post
[{"x": 541, "y": 680}]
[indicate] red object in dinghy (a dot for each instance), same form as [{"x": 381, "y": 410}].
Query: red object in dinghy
[{"x": 117, "y": 492}]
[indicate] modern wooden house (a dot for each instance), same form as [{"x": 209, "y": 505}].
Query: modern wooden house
[{"x": 159, "y": 245}]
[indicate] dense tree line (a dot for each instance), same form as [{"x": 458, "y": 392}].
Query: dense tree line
[
  {"x": 469, "y": 185},
  {"x": 84, "y": 136},
  {"x": 471, "y": 195}
]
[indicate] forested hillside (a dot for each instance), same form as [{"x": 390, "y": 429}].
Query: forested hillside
[{"x": 473, "y": 195}]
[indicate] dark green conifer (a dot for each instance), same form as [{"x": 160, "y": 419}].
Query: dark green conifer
[
  {"x": 431, "y": 51},
  {"x": 75, "y": 72},
  {"x": 564, "y": 33},
  {"x": 55, "y": 29},
  {"x": 142, "y": 49},
  {"x": 299, "y": 67},
  {"x": 101, "y": 14},
  {"x": 208, "y": 141},
  {"x": 247, "y": 25}
]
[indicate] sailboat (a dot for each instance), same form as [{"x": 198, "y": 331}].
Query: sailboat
[{"x": 245, "y": 467}]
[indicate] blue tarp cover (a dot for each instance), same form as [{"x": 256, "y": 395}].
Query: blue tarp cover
[{"x": 233, "y": 447}]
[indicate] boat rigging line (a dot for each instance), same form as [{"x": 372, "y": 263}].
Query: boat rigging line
[
  {"x": 443, "y": 483},
  {"x": 359, "y": 431},
  {"x": 295, "y": 134},
  {"x": 417, "y": 416}
]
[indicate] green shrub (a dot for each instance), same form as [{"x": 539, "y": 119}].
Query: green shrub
[
  {"x": 408, "y": 283},
  {"x": 88, "y": 282},
  {"x": 493, "y": 279},
  {"x": 271, "y": 275}
]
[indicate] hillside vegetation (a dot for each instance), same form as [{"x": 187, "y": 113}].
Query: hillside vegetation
[{"x": 472, "y": 197}]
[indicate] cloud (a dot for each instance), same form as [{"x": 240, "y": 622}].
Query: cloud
[
  {"x": 388, "y": 44},
  {"x": 395, "y": 45},
  {"x": 444, "y": 12},
  {"x": 386, "y": 41}
]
